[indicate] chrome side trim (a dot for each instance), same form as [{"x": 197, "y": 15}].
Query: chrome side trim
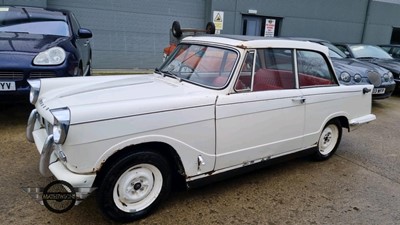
[
  {"x": 31, "y": 124},
  {"x": 45, "y": 156}
]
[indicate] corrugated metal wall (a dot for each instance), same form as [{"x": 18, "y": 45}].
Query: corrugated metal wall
[
  {"x": 334, "y": 20},
  {"x": 132, "y": 33}
]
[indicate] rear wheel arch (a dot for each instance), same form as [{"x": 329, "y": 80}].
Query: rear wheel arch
[{"x": 344, "y": 122}]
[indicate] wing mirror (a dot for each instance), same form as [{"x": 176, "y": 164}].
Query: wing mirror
[{"x": 84, "y": 33}]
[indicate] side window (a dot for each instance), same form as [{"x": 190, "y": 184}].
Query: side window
[
  {"x": 246, "y": 73},
  {"x": 343, "y": 49},
  {"x": 313, "y": 69},
  {"x": 386, "y": 48},
  {"x": 74, "y": 24},
  {"x": 275, "y": 71},
  {"x": 396, "y": 52}
]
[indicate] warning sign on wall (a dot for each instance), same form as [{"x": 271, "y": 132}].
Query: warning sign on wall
[
  {"x": 269, "y": 27},
  {"x": 218, "y": 19}
]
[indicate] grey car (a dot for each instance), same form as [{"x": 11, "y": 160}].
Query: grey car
[
  {"x": 373, "y": 54},
  {"x": 351, "y": 71}
]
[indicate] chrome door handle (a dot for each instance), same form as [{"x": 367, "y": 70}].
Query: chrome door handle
[
  {"x": 299, "y": 99},
  {"x": 366, "y": 90}
]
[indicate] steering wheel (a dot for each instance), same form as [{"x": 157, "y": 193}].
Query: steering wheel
[{"x": 185, "y": 70}]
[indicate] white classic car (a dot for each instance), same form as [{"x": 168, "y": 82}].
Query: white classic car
[{"x": 218, "y": 105}]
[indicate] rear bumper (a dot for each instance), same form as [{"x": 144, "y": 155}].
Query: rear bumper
[{"x": 357, "y": 122}]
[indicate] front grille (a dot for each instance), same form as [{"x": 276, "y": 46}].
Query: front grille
[
  {"x": 11, "y": 75},
  {"x": 42, "y": 74},
  {"x": 374, "y": 78}
]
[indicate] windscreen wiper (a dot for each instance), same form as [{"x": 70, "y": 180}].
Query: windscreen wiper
[
  {"x": 373, "y": 58},
  {"x": 167, "y": 73}
]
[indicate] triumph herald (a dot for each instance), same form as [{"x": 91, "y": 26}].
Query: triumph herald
[{"x": 217, "y": 106}]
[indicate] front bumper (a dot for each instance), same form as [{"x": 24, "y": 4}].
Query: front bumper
[
  {"x": 389, "y": 89},
  {"x": 50, "y": 164},
  {"x": 18, "y": 68}
]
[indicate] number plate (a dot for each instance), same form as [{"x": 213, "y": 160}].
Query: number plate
[
  {"x": 7, "y": 86},
  {"x": 378, "y": 91}
]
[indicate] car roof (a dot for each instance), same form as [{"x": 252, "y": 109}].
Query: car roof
[
  {"x": 34, "y": 13},
  {"x": 243, "y": 41}
]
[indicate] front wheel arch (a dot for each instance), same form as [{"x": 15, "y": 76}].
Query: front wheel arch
[{"x": 167, "y": 151}]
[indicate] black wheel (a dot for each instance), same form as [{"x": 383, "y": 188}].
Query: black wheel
[
  {"x": 329, "y": 140},
  {"x": 89, "y": 68},
  {"x": 79, "y": 71},
  {"x": 210, "y": 28},
  {"x": 176, "y": 29},
  {"x": 134, "y": 186}
]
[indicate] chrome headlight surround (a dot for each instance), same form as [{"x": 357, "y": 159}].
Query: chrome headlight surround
[
  {"x": 345, "y": 76},
  {"x": 50, "y": 57},
  {"x": 61, "y": 124},
  {"x": 34, "y": 92}
]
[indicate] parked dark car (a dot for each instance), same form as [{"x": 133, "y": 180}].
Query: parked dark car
[
  {"x": 355, "y": 72},
  {"x": 373, "y": 54},
  {"x": 393, "y": 50},
  {"x": 40, "y": 43}
]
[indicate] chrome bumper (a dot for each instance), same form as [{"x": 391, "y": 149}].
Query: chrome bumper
[
  {"x": 31, "y": 125},
  {"x": 357, "y": 122},
  {"x": 49, "y": 164}
]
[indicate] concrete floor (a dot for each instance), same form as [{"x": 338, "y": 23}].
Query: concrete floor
[{"x": 358, "y": 185}]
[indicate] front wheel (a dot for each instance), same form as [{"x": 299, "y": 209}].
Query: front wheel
[
  {"x": 134, "y": 186},
  {"x": 329, "y": 140}
]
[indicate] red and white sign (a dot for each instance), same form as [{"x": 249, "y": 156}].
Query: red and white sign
[{"x": 269, "y": 27}]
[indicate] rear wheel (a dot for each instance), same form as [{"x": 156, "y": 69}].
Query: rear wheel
[
  {"x": 134, "y": 186},
  {"x": 329, "y": 140},
  {"x": 89, "y": 68}
]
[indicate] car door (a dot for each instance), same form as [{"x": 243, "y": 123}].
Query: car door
[
  {"x": 265, "y": 117},
  {"x": 82, "y": 44},
  {"x": 323, "y": 95}
]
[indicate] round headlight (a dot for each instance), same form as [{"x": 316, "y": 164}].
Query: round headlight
[
  {"x": 58, "y": 133},
  {"x": 357, "y": 78},
  {"x": 52, "y": 56},
  {"x": 61, "y": 124},
  {"x": 345, "y": 76},
  {"x": 386, "y": 77},
  {"x": 34, "y": 92},
  {"x": 391, "y": 78}
]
